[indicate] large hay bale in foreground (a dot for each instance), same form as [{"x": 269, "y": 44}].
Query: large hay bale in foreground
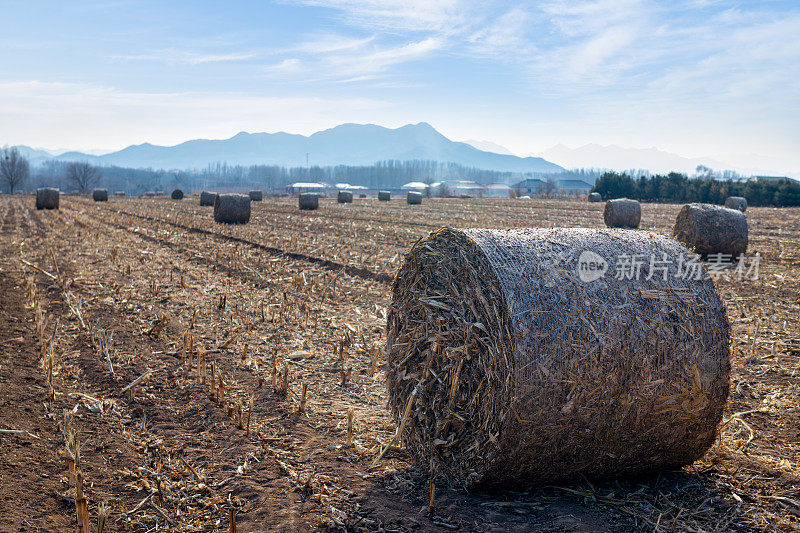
[
  {"x": 711, "y": 229},
  {"x": 47, "y": 198},
  {"x": 177, "y": 194},
  {"x": 384, "y": 196},
  {"x": 414, "y": 198},
  {"x": 308, "y": 201},
  {"x": 100, "y": 195},
  {"x": 207, "y": 198},
  {"x": 524, "y": 372},
  {"x": 622, "y": 213},
  {"x": 232, "y": 208},
  {"x": 344, "y": 197},
  {"x": 736, "y": 202},
  {"x": 256, "y": 196},
  {"x": 595, "y": 197}
]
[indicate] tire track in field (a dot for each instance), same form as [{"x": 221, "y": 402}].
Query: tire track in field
[{"x": 327, "y": 264}]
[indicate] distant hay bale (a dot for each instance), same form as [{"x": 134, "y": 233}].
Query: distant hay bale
[
  {"x": 362, "y": 195},
  {"x": 532, "y": 362},
  {"x": 736, "y": 202},
  {"x": 207, "y": 198},
  {"x": 414, "y": 198},
  {"x": 100, "y": 195},
  {"x": 177, "y": 194},
  {"x": 344, "y": 197},
  {"x": 711, "y": 229},
  {"x": 595, "y": 197},
  {"x": 120, "y": 193},
  {"x": 308, "y": 201},
  {"x": 384, "y": 196},
  {"x": 622, "y": 213},
  {"x": 232, "y": 208},
  {"x": 47, "y": 198},
  {"x": 256, "y": 196}
]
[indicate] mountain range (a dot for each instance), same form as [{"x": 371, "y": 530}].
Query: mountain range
[{"x": 347, "y": 144}]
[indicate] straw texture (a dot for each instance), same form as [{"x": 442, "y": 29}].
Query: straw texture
[
  {"x": 232, "y": 208},
  {"x": 207, "y": 198},
  {"x": 47, "y": 198},
  {"x": 308, "y": 201},
  {"x": 523, "y": 373},
  {"x": 736, "y": 202},
  {"x": 622, "y": 213},
  {"x": 711, "y": 229}
]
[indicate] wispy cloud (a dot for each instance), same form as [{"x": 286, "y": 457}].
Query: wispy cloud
[{"x": 173, "y": 56}]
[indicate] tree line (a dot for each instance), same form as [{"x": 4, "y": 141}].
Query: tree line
[{"x": 679, "y": 188}]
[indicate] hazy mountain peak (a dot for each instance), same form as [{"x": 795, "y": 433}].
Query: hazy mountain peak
[{"x": 345, "y": 144}]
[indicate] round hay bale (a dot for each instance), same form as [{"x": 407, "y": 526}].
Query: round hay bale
[
  {"x": 344, "y": 197},
  {"x": 308, "y": 201},
  {"x": 232, "y": 208},
  {"x": 622, "y": 213},
  {"x": 256, "y": 196},
  {"x": 362, "y": 195},
  {"x": 207, "y": 198},
  {"x": 47, "y": 198},
  {"x": 711, "y": 229},
  {"x": 100, "y": 195},
  {"x": 532, "y": 362},
  {"x": 414, "y": 198},
  {"x": 595, "y": 197},
  {"x": 177, "y": 194},
  {"x": 384, "y": 196},
  {"x": 736, "y": 202}
]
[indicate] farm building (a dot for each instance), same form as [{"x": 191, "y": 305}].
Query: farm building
[
  {"x": 497, "y": 190},
  {"x": 307, "y": 186},
  {"x": 348, "y": 187},
  {"x": 573, "y": 187},
  {"x": 457, "y": 188},
  {"x": 529, "y": 187},
  {"x": 415, "y": 186}
]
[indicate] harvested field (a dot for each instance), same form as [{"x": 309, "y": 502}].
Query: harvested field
[{"x": 290, "y": 311}]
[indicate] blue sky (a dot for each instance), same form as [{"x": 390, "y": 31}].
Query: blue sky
[{"x": 696, "y": 77}]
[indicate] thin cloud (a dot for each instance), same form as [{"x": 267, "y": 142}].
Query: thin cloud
[{"x": 172, "y": 56}]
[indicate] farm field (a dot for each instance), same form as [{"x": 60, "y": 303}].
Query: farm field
[{"x": 290, "y": 311}]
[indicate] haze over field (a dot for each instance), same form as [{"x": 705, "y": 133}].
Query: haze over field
[{"x": 709, "y": 81}]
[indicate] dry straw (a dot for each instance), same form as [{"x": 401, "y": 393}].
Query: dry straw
[
  {"x": 736, "y": 202},
  {"x": 595, "y": 197},
  {"x": 344, "y": 197},
  {"x": 308, "y": 201},
  {"x": 47, "y": 198},
  {"x": 100, "y": 195},
  {"x": 622, "y": 213},
  {"x": 518, "y": 370},
  {"x": 711, "y": 229},
  {"x": 232, "y": 208},
  {"x": 256, "y": 196},
  {"x": 414, "y": 198},
  {"x": 177, "y": 194},
  {"x": 384, "y": 196},
  {"x": 207, "y": 198}
]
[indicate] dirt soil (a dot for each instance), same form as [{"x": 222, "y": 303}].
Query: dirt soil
[{"x": 295, "y": 301}]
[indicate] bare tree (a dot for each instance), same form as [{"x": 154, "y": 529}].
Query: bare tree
[
  {"x": 14, "y": 168},
  {"x": 547, "y": 187},
  {"x": 83, "y": 176}
]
